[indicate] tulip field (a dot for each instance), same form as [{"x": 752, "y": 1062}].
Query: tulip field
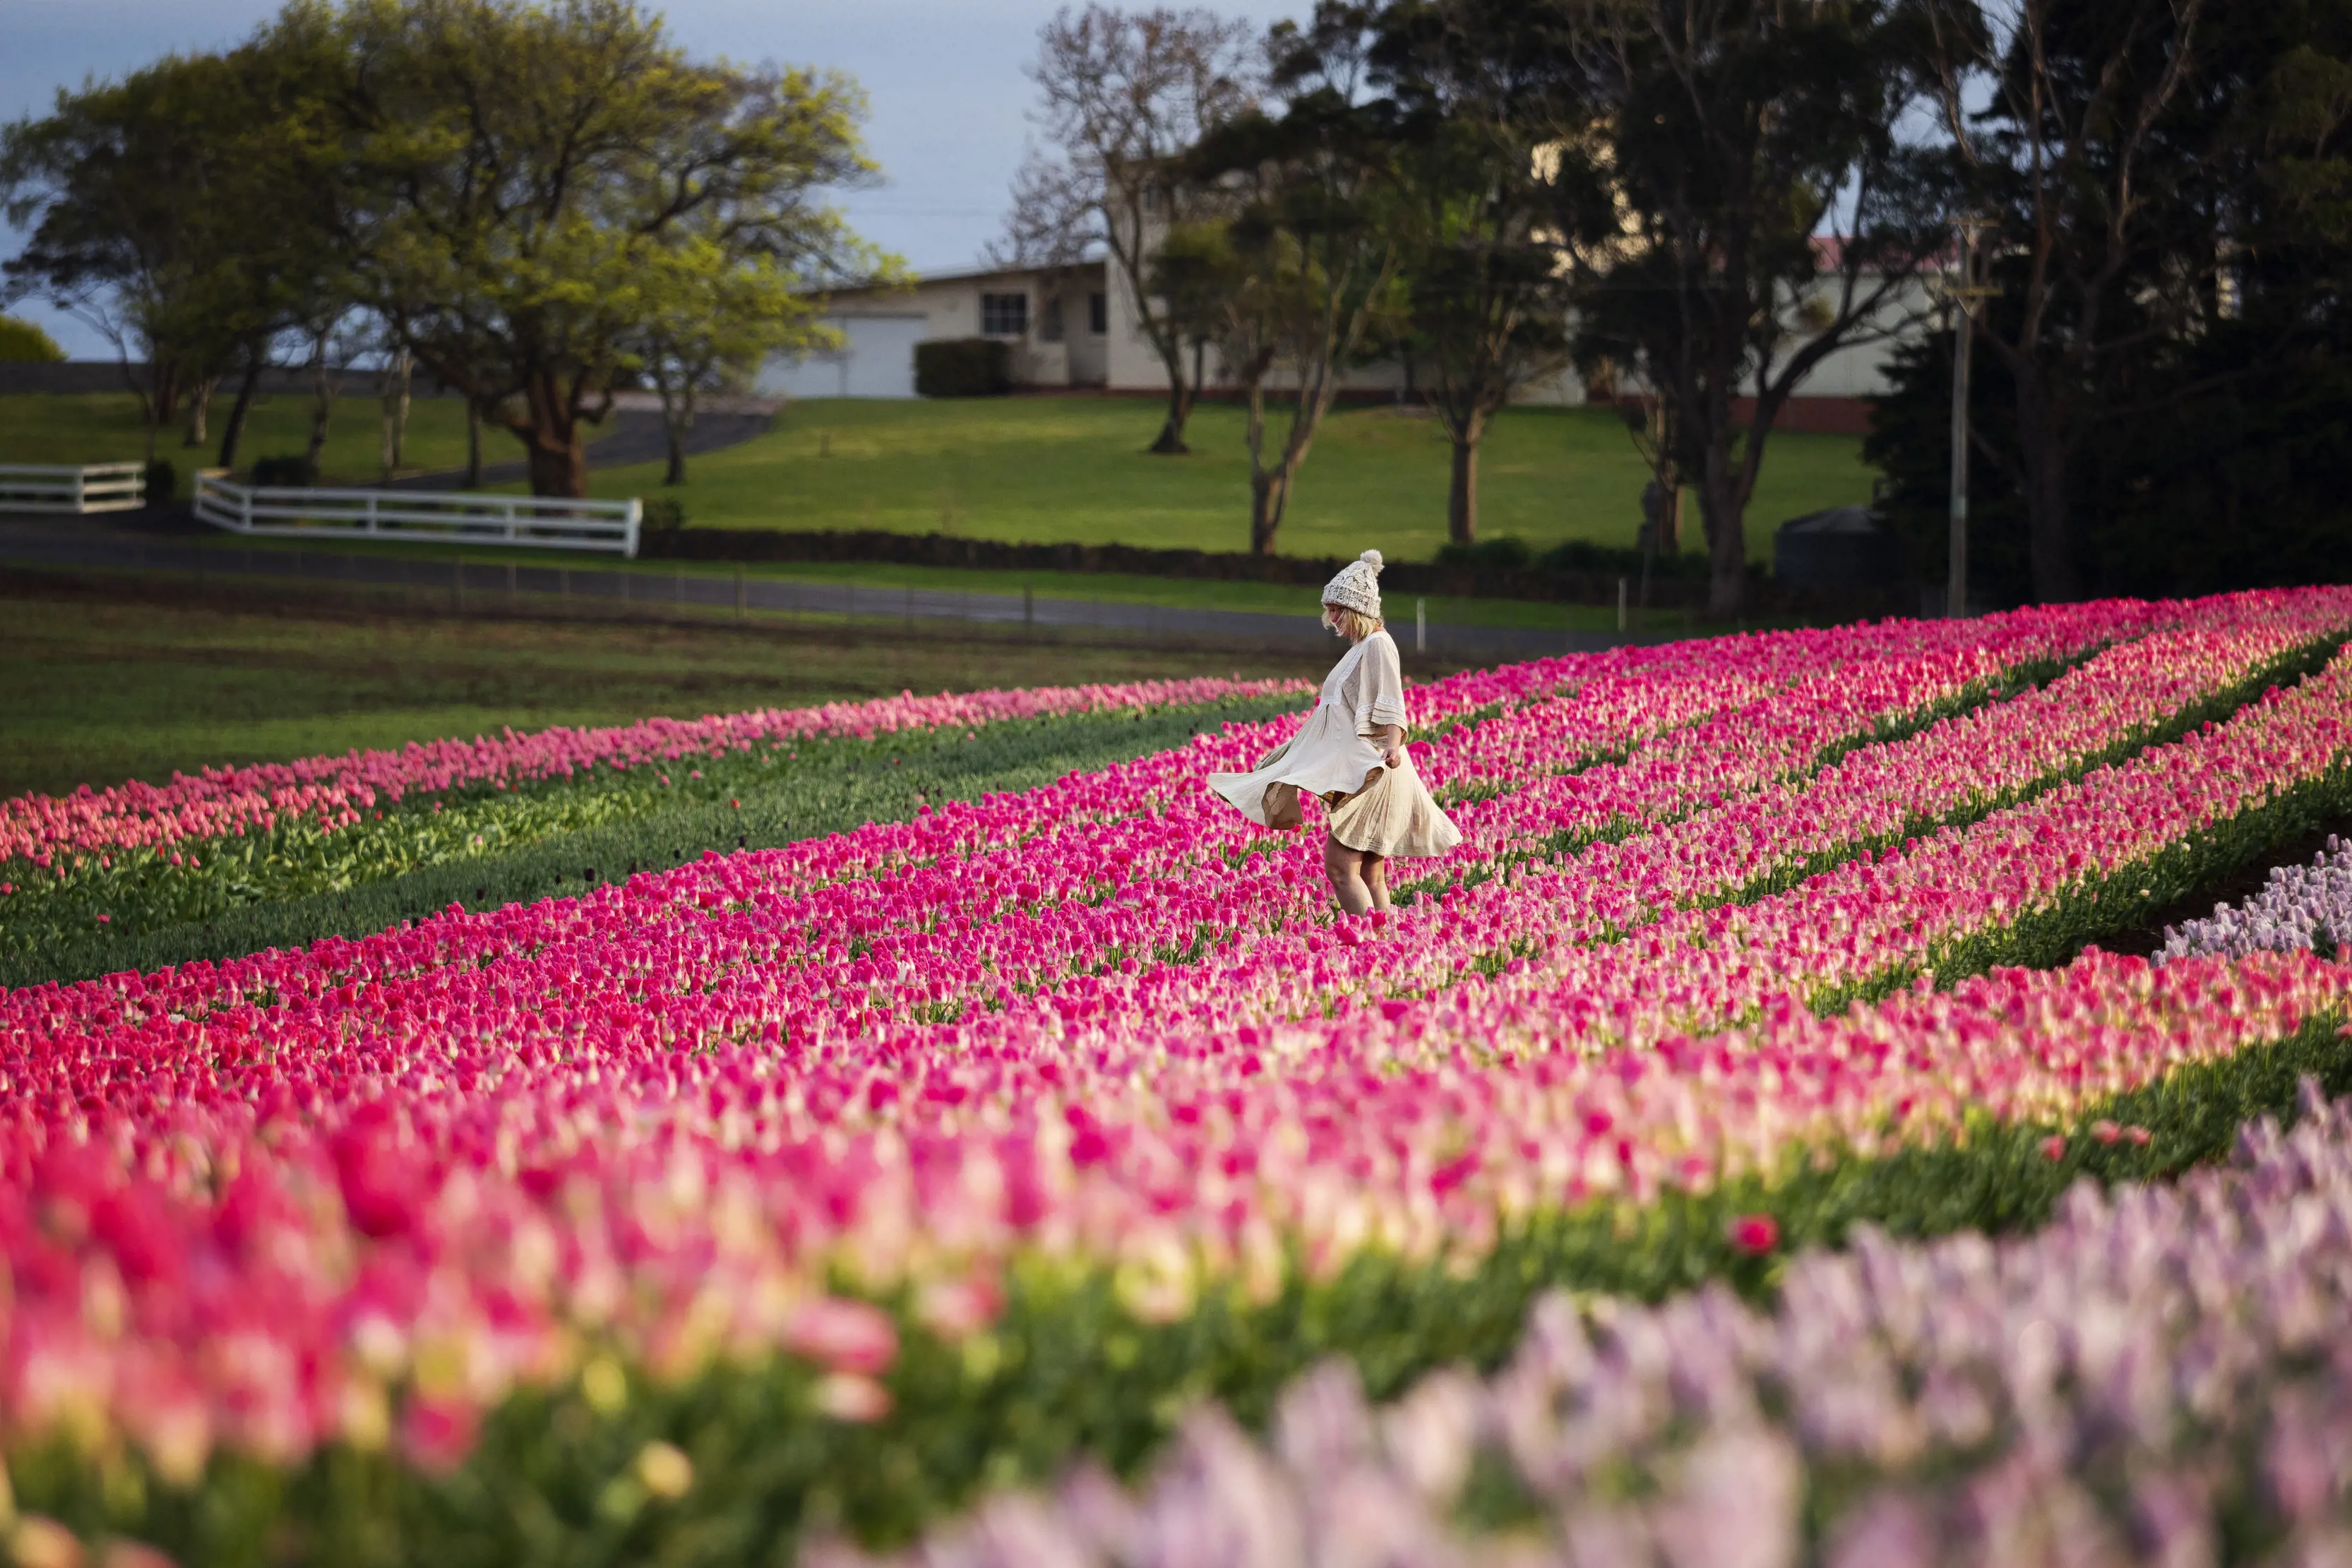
[{"x": 1738, "y": 1150}]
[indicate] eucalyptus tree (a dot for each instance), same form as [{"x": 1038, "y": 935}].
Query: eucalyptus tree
[
  {"x": 1724, "y": 137},
  {"x": 2063, "y": 113}
]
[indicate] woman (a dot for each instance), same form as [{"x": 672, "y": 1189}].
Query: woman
[{"x": 1351, "y": 752}]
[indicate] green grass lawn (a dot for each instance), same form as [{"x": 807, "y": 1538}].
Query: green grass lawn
[
  {"x": 97, "y": 685},
  {"x": 1051, "y": 469},
  {"x": 104, "y": 427}
]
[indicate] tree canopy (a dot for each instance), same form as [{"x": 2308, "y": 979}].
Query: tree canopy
[{"x": 534, "y": 200}]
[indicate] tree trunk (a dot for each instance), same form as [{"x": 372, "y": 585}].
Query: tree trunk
[
  {"x": 2044, "y": 452},
  {"x": 678, "y": 422},
  {"x": 165, "y": 375},
  {"x": 1170, "y": 441},
  {"x": 234, "y": 434},
  {"x": 1727, "y": 538},
  {"x": 1269, "y": 487},
  {"x": 322, "y": 407},
  {"x": 559, "y": 464},
  {"x": 1462, "y": 490},
  {"x": 199, "y": 404},
  {"x": 473, "y": 443},
  {"x": 394, "y": 392}
]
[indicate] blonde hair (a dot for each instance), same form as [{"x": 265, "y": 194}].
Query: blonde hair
[{"x": 1352, "y": 624}]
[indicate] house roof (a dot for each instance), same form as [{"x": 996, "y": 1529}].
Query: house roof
[{"x": 975, "y": 275}]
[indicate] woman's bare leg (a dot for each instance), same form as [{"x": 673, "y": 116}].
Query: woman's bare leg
[
  {"x": 1376, "y": 880},
  {"x": 1345, "y": 867}
]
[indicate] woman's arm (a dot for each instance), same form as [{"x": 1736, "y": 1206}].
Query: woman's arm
[{"x": 1381, "y": 716}]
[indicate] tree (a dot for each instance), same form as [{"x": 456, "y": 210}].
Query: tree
[
  {"x": 714, "y": 309},
  {"x": 2068, "y": 162},
  {"x": 525, "y": 174},
  {"x": 1124, "y": 96},
  {"x": 1732, "y": 132},
  {"x": 1476, "y": 93},
  {"x": 722, "y": 293},
  {"x": 184, "y": 212},
  {"x": 23, "y": 342},
  {"x": 114, "y": 185},
  {"x": 2190, "y": 344},
  {"x": 1315, "y": 239}
]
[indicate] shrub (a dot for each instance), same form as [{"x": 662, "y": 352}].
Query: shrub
[
  {"x": 1617, "y": 560},
  {"x": 662, "y": 515},
  {"x": 163, "y": 481},
  {"x": 294, "y": 469},
  {"x": 1506, "y": 553},
  {"x": 24, "y": 343},
  {"x": 963, "y": 367},
  {"x": 1575, "y": 558}
]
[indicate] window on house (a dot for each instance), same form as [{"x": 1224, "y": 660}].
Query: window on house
[
  {"x": 1097, "y": 314},
  {"x": 1004, "y": 314},
  {"x": 1049, "y": 319}
]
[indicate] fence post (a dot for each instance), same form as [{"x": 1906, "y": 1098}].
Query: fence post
[
  {"x": 80, "y": 505},
  {"x": 1421, "y": 625},
  {"x": 1620, "y": 604}
]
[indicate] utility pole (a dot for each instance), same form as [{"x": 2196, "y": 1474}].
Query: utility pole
[{"x": 1964, "y": 295}]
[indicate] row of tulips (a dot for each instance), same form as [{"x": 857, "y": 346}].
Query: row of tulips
[
  {"x": 2299, "y": 906},
  {"x": 42, "y": 829},
  {"x": 2154, "y": 1377}
]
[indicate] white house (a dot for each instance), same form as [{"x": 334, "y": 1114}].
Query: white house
[
  {"x": 1058, "y": 321},
  {"x": 1076, "y": 327}
]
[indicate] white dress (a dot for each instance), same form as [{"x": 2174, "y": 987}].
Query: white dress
[{"x": 1379, "y": 810}]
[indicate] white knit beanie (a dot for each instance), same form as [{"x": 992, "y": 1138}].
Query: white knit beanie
[{"x": 1358, "y": 586}]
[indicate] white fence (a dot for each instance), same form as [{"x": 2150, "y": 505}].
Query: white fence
[
  {"x": 52, "y": 487},
  {"x": 470, "y": 517}
]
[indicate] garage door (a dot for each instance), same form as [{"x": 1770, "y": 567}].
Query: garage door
[{"x": 876, "y": 360}]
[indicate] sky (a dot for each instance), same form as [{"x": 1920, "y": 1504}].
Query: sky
[{"x": 948, "y": 102}]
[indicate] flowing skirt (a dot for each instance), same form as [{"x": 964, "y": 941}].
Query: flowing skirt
[
  {"x": 1393, "y": 814},
  {"x": 1390, "y": 812}
]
